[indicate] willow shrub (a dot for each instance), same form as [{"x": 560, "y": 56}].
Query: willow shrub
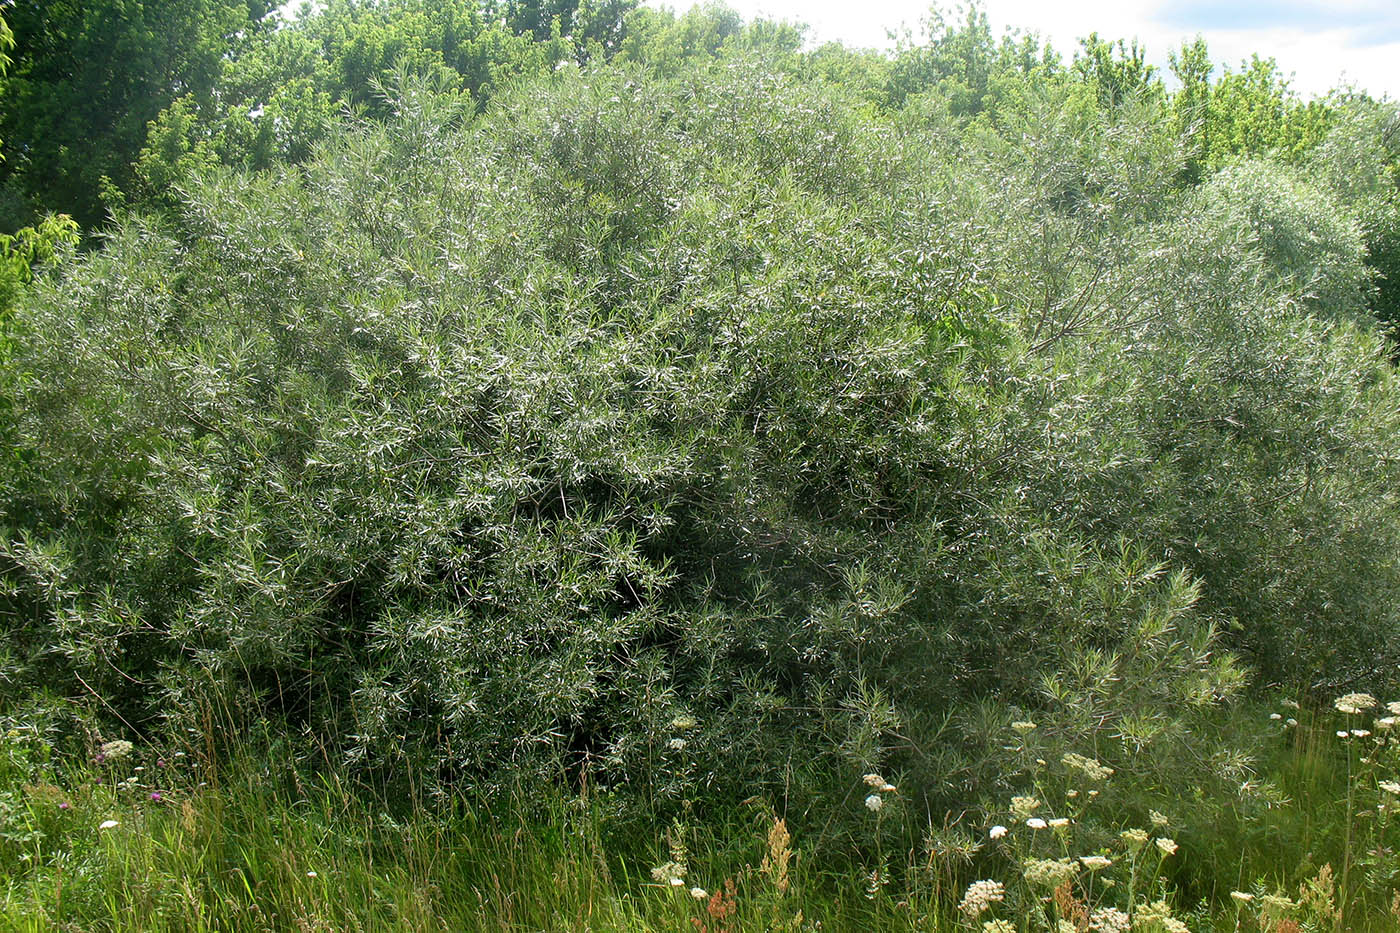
[{"x": 697, "y": 433}]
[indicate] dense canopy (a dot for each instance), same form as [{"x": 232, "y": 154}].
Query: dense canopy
[
  {"x": 499, "y": 442},
  {"x": 505, "y": 399}
]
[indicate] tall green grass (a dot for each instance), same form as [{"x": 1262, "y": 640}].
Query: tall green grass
[
  {"x": 129, "y": 840},
  {"x": 258, "y": 847}
]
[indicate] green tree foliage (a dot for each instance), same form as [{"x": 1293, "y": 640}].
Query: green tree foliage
[
  {"x": 1250, "y": 112},
  {"x": 285, "y": 90},
  {"x": 7, "y": 44},
  {"x": 665, "y": 41},
  {"x": 711, "y": 416},
  {"x": 1347, "y": 140},
  {"x": 598, "y": 22},
  {"x": 1308, "y": 239},
  {"x": 963, "y": 65},
  {"x": 1116, "y": 72},
  {"x": 709, "y": 431},
  {"x": 86, "y": 79},
  {"x": 668, "y": 43},
  {"x": 31, "y": 248},
  {"x": 1359, "y": 161}
]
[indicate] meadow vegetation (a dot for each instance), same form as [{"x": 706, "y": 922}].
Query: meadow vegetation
[{"x": 599, "y": 468}]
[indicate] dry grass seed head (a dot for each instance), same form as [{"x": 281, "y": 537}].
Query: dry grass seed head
[
  {"x": 775, "y": 863},
  {"x": 1069, "y": 907}
]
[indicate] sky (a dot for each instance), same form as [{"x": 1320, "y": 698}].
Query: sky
[{"x": 1321, "y": 44}]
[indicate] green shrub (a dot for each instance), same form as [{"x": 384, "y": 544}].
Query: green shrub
[
  {"x": 703, "y": 435},
  {"x": 1305, "y": 236}
]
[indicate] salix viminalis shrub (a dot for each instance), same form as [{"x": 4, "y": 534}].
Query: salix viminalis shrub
[{"x": 701, "y": 432}]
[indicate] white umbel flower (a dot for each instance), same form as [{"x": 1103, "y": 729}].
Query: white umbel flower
[
  {"x": 980, "y": 896},
  {"x": 1110, "y": 920},
  {"x": 1353, "y": 703}
]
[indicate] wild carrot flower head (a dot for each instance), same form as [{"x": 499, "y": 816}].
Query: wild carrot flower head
[
  {"x": 1089, "y": 767},
  {"x": 980, "y": 896},
  {"x": 1048, "y": 873},
  {"x": 669, "y": 873},
  {"x": 1134, "y": 838},
  {"x": 1353, "y": 703},
  {"x": 1094, "y": 862},
  {"x": 998, "y": 926},
  {"x": 1024, "y": 806},
  {"x": 1168, "y": 846},
  {"x": 1023, "y": 726},
  {"x": 1241, "y": 897},
  {"x": 874, "y": 802},
  {"x": 879, "y": 783},
  {"x": 108, "y": 824},
  {"x": 1390, "y": 787},
  {"x": 1036, "y": 822},
  {"x": 1153, "y": 915},
  {"x": 1158, "y": 818},
  {"x": 996, "y": 832},
  {"x": 1109, "y": 920},
  {"x": 115, "y": 750}
]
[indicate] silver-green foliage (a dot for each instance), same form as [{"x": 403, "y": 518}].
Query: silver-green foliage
[{"x": 703, "y": 431}]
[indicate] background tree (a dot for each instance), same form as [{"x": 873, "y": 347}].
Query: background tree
[
  {"x": 1248, "y": 112},
  {"x": 285, "y": 88},
  {"x": 86, "y": 79},
  {"x": 1116, "y": 71},
  {"x": 590, "y": 21},
  {"x": 7, "y": 44},
  {"x": 32, "y": 246}
]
